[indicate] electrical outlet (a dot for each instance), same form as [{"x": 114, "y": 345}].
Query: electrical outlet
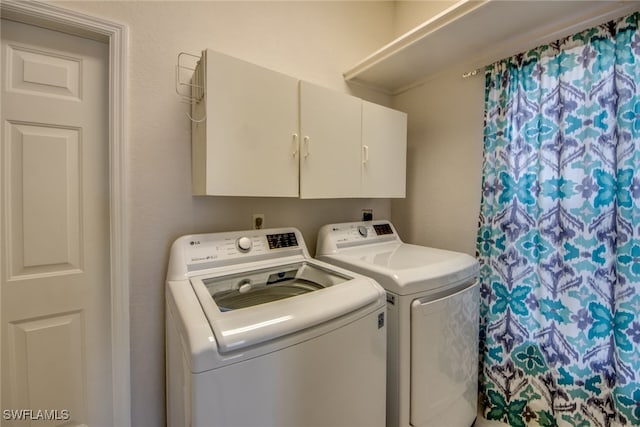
[
  {"x": 367, "y": 214},
  {"x": 258, "y": 221}
]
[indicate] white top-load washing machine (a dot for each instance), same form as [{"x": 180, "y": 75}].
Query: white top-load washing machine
[
  {"x": 260, "y": 334},
  {"x": 432, "y": 311}
]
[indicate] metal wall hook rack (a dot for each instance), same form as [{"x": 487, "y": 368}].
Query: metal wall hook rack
[{"x": 190, "y": 80}]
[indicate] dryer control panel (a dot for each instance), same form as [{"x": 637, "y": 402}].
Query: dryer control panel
[
  {"x": 355, "y": 233},
  {"x": 203, "y": 251}
]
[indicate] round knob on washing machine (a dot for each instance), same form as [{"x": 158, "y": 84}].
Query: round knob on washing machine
[
  {"x": 245, "y": 287},
  {"x": 244, "y": 244},
  {"x": 362, "y": 230}
]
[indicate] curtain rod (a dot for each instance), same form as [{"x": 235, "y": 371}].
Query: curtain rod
[{"x": 470, "y": 73}]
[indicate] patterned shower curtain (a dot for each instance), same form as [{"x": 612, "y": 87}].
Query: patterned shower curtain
[{"x": 559, "y": 236}]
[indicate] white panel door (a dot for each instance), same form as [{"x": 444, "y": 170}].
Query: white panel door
[
  {"x": 330, "y": 130},
  {"x": 55, "y": 284},
  {"x": 384, "y": 151},
  {"x": 250, "y": 130}
]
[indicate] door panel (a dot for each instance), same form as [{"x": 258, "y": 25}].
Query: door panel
[
  {"x": 44, "y": 163},
  {"x": 32, "y": 376},
  {"x": 55, "y": 289},
  {"x": 245, "y": 147},
  {"x": 384, "y": 140},
  {"x": 330, "y": 124},
  {"x": 43, "y": 73}
]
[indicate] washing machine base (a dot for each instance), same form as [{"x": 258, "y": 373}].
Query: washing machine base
[{"x": 335, "y": 379}]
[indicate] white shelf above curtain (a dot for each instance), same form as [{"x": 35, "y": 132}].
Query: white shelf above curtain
[{"x": 477, "y": 33}]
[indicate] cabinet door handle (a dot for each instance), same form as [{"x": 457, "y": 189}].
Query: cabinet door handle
[
  {"x": 307, "y": 144},
  {"x": 365, "y": 154},
  {"x": 296, "y": 145}
]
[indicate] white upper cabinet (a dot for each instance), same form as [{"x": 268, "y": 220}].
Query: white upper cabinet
[
  {"x": 260, "y": 133},
  {"x": 246, "y": 144},
  {"x": 384, "y": 151},
  {"x": 330, "y": 124}
]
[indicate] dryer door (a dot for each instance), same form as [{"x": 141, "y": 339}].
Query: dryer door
[{"x": 444, "y": 359}]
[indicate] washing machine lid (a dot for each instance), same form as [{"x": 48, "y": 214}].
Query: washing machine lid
[{"x": 246, "y": 308}]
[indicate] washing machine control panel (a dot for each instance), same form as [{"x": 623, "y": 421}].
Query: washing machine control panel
[
  {"x": 282, "y": 240},
  {"x": 211, "y": 250}
]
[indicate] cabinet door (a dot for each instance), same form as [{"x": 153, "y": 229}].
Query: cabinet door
[
  {"x": 251, "y": 123},
  {"x": 384, "y": 151},
  {"x": 330, "y": 124}
]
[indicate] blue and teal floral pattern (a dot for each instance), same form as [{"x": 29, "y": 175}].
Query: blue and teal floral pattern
[{"x": 559, "y": 235}]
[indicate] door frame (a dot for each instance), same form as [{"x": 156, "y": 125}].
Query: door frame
[{"x": 116, "y": 36}]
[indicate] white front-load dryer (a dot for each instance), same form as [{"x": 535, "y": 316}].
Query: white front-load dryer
[
  {"x": 433, "y": 320},
  {"x": 259, "y": 334}
]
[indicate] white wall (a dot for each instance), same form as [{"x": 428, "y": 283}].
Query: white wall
[
  {"x": 314, "y": 41},
  {"x": 444, "y": 148},
  {"x": 410, "y": 14},
  {"x": 444, "y": 162}
]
